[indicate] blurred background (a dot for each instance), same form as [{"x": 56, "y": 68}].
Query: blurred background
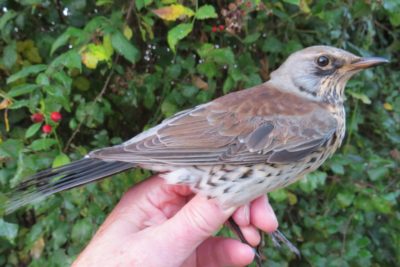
[{"x": 78, "y": 75}]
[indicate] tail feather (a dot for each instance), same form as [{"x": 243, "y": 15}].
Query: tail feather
[{"x": 50, "y": 181}]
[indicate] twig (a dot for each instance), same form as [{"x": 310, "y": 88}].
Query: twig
[
  {"x": 105, "y": 86},
  {"x": 96, "y": 99},
  {"x": 129, "y": 12},
  {"x": 345, "y": 235},
  {"x": 380, "y": 25},
  {"x": 59, "y": 11}
]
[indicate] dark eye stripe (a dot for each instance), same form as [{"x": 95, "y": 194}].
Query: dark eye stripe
[
  {"x": 336, "y": 64},
  {"x": 321, "y": 72}
]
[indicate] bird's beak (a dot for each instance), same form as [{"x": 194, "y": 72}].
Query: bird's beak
[{"x": 367, "y": 62}]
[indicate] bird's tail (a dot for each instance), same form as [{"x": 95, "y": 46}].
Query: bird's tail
[{"x": 50, "y": 181}]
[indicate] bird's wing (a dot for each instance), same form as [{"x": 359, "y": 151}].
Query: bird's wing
[{"x": 261, "y": 124}]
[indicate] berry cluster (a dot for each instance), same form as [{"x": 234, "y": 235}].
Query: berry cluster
[
  {"x": 38, "y": 117},
  {"x": 218, "y": 28}
]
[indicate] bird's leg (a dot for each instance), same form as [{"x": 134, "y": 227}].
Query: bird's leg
[
  {"x": 259, "y": 259},
  {"x": 278, "y": 239}
]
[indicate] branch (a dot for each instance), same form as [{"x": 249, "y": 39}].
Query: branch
[
  {"x": 105, "y": 86},
  {"x": 59, "y": 11},
  {"x": 96, "y": 99}
]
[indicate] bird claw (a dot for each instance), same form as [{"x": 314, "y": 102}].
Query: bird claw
[
  {"x": 259, "y": 257},
  {"x": 278, "y": 239}
]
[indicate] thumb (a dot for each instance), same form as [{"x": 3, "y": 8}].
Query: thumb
[{"x": 194, "y": 223}]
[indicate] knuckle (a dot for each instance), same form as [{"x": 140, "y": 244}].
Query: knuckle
[{"x": 199, "y": 222}]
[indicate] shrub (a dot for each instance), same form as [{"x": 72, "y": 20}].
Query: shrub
[{"x": 110, "y": 69}]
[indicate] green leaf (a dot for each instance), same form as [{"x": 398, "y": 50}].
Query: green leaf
[
  {"x": 81, "y": 83},
  {"x": 293, "y": 2},
  {"x": 142, "y": 3},
  {"x": 60, "y": 160},
  {"x": 222, "y": 56},
  {"x": 42, "y": 144},
  {"x": 72, "y": 60},
  {"x": 10, "y": 148},
  {"x": 206, "y": 12},
  {"x": 22, "y": 89},
  {"x": 381, "y": 205},
  {"x": 337, "y": 168},
  {"x": 178, "y": 33},
  {"x": 279, "y": 195},
  {"x": 228, "y": 85},
  {"x": 6, "y": 17},
  {"x": 377, "y": 173},
  {"x": 168, "y": 108},
  {"x": 272, "y": 45},
  {"x": 42, "y": 79},
  {"x": 34, "y": 234},
  {"x": 82, "y": 230},
  {"x": 393, "y": 8},
  {"x": 63, "y": 79},
  {"x": 8, "y": 231},
  {"x": 3, "y": 199},
  {"x": 312, "y": 181},
  {"x": 104, "y": 2},
  {"x": 32, "y": 129},
  {"x": 63, "y": 38},
  {"x": 345, "y": 199},
  {"x": 30, "y": 2},
  {"x": 124, "y": 47},
  {"x": 208, "y": 68},
  {"x": 204, "y": 49},
  {"x": 360, "y": 96},
  {"x": 26, "y": 71},
  {"x": 251, "y": 38},
  {"x": 10, "y": 55}
]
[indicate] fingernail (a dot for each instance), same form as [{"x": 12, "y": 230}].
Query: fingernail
[
  {"x": 268, "y": 205},
  {"x": 271, "y": 212},
  {"x": 227, "y": 209},
  {"x": 246, "y": 214}
]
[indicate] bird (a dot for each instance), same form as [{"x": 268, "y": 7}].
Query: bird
[{"x": 237, "y": 147}]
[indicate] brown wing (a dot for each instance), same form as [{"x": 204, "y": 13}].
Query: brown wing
[{"x": 261, "y": 124}]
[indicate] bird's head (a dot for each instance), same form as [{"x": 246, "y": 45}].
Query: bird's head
[{"x": 321, "y": 72}]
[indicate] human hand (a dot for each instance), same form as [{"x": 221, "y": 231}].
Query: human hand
[{"x": 156, "y": 224}]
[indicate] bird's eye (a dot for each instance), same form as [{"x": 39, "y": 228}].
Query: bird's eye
[{"x": 322, "y": 61}]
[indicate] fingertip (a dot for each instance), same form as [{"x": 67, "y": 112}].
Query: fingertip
[
  {"x": 242, "y": 215},
  {"x": 262, "y": 215},
  {"x": 218, "y": 251},
  {"x": 251, "y": 234},
  {"x": 245, "y": 254}
]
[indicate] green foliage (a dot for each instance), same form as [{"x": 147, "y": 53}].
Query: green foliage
[{"x": 112, "y": 74}]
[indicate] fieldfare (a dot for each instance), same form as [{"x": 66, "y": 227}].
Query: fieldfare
[{"x": 236, "y": 147}]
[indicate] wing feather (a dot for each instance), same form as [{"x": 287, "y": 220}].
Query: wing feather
[{"x": 256, "y": 125}]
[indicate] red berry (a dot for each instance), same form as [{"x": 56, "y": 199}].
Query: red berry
[
  {"x": 221, "y": 27},
  {"x": 214, "y": 29},
  {"x": 47, "y": 129},
  {"x": 55, "y": 116},
  {"x": 37, "y": 117}
]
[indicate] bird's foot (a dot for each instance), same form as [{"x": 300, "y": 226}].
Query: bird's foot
[
  {"x": 259, "y": 257},
  {"x": 278, "y": 239}
]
